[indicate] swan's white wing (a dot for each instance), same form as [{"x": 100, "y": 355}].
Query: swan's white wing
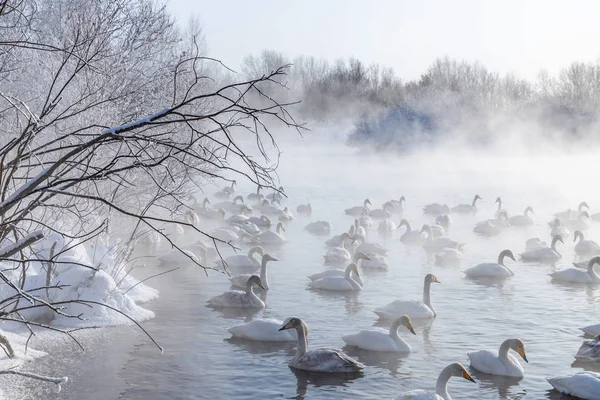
[
  {"x": 338, "y": 283},
  {"x": 329, "y": 272},
  {"x": 239, "y": 261},
  {"x": 487, "y": 361},
  {"x": 589, "y": 350},
  {"x": 412, "y": 308},
  {"x": 373, "y": 340},
  {"x": 235, "y": 298},
  {"x": 582, "y": 384},
  {"x": 419, "y": 394},
  {"x": 327, "y": 360},
  {"x": 263, "y": 330},
  {"x": 488, "y": 270},
  {"x": 572, "y": 275}
]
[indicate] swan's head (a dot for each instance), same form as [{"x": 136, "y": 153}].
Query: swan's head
[
  {"x": 404, "y": 320},
  {"x": 258, "y": 250},
  {"x": 402, "y": 199},
  {"x": 279, "y": 227},
  {"x": 505, "y": 253},
  {"x": 431, "y": 278},
  {"x": 281, "y": 189},
  {"x": 361, "y": 256},
  {"x": 345, "y": 236},
  {"x": 353, "y": 268},
  {"x": 236, "y": 198},
  {"x": 593, "y": 261},
  {"x": 458, "y": 370},
  {"x": 265, "y": 202},
  {"x": 285, "y": 209},
  {"x": 292, "y": 323},
  {"x": 518, "y": 346},
  {"x": 498, "y": 200},
  {"x": 206, "y": 201},
  {"x": 245, "y": 208},
  {"x": 477, "y": 197},
  {"x": 268, "y": 257},
  {"x": 403, "y": 222},
  {"x": 577, "y": 235},
  {"x": 530, "y": 209},
  {"x": 557, "y": 238},
  {"x": 367, "y": 201},
  {"x": 584, "y": 214},
  {"x": 426, "y": 228},
  {"x": 254, "y": 279},
  {"x": 233, "y": 183},
  {"x": 583, "y": 204}
]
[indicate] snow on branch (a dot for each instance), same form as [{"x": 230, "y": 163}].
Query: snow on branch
[
  {"x": 57, "y": 381},
  {"x": 21, "y": 244},
  {"x": 136, "y": 124}
]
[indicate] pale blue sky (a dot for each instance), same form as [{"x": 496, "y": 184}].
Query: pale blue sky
[{"x": 506, "y": 36}]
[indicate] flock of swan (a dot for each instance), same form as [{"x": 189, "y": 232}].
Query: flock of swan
[{"x": 349, "y": 250}]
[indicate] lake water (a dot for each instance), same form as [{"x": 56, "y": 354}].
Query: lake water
[{"x": 201, "y": 361}]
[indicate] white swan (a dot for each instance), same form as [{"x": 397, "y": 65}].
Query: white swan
[
  {"x": 200, "y": 208},
  {"x": 376, "y": 340},
  {"x": 558, "y": 229},
  {"x": 338, "y": 283},
  {"x": 269, "y": 209},
  {"x": 241, "y": 280},
  {"x": 364, "y": 220},
  {"x": 386, "y": 225},
  {"x": 436, "y": 209},
  {"x": 467, "y": 208},
  {"x": 448, "y": 256},
  {"x": 304, "y": 209},
  {"x": 241, "y": 260},
  {"x": 264, "y": 330},
  {"x": 358, "y": 228},
  {"x": 580, "y": 224},
  {"x": 320, "y": 360},
  {"x": 210, "y": 213},
  {"x": 441, "y": 225},
  {"x": 254, "y": 196},
  {"x": 397, "y": 207},
  {"x": 382, "y": 213},
  {"x": 522, "y": 220},
  {"x": 276, "y": 195},
  {"x": 500, "y": 363},
  {"x": 338, "y": 240},
  {"x": 341, "y": 272},
  {"x": 269, "y": 237},
  {"x": 576, "y": 275},
  {"x": 369, "y": 247},
  {"x": 584, "y": 385},
  {"x": 338, "y": 255},
  {"x": 500, "y": 210},
  {"x": 226, "y": 192},
  {"x": 318, "y": 227},
  {"x": 262, "y": 222},
  {"x": 492, "y": 270},
  {"x": 249, "y": 227},
  {"x": 585, "y": 246},
  {"x": 486, "y": 228},
  {"x": 413, "y": 308},
  {"x": 233, "y": 206},
  {"x": 195, "y": 251},
  {"x": 441, "y": 386},
  {"x": 286, "y": 215},
  {"x": 572, "y": 214},
  {"x": 410, "y": 236},
  {"x": 374, "y": 261},
  {"x": 358, "y": 210},
  {"x": 548, "y": 254},
  {"x": 239, "y": 299},
  {"x": 589, "y": 350},
  {"x": 436, "y": 244},
  {"x": 535, "y": 243}
]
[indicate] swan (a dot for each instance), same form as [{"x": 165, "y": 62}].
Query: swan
[
  {"x": 336, "y": 241},
  {"x": 241, "y": 260},
  {"x": 374, "y": 261},
  {"x": 382, "y": 213},
  {"x": 241, "y": 280},
  {"x": 500, "y": 363},
  {"x": 535, "y": 243},
  {"x": 364, "y": 220},
  {"x": 318, "y": 227},
  {"x": 237, "y": 219},
  {"x": 589, "y": 350},
  {"x": 226, "y": 192},
  {"x": 486, "y": 228},
  {"x": 500, "y": 210},
  {"x": 441, "y": 386},
  {"x": 286, "y": 215},
  {"x": 238, "y": 298},
  {"x": 369, "y": 247},
  {"x": 268, "y": 208},
  {"x": 358, "y": 210},
  {"x": 320, "y": 360},
  {"x": 254, "y": 196},
  {"x": 386, "y": 225},
  {"x": 249, "y": 227},
  {"x": 338, "y": 283},
  {"x": 448, "y": 256},
  {"x": 584, "y": 384},
  {"x": 544, "y": 253},
  {"x": 258, "y": 201},
  {"x": 264, "y": 330},
  {"x": 436, "y": 209},
  {"x": 304, "y": 209},
  {"x": 444, "y": 220},
  {"x": 233, "y": 206},
  {"x": 410, "y": 236},
  {"x": 580, "y": 224},
  {"x": 576, "y": 275},
  {"x": 492, "y": 270},
  {"x": 397, "y": 207},
  {"x": 413, "y": 308},
  {"x": 591, "y": 330},
  {"x": 227, "y": 234},
  {"x": 442, "y": 223},
  {"x": 558, "y": 229},
  {"x": 213, "y": 214},
  {"x": 358, "y": 229},
  {"x": 276, "y": 195},
  {"x": 467, "y": 208},
  {"x": 376, "y": 340},
  {"x": 191, "y": 217},
  {"x": 338, "y": 255},
  {"x": 341, "y": 272},
  {"x": 177, "y": 256},
  {"x": 572, "y": 214},
  {"x": 522, "y": 220},
  {"x": 200, "y": 208},
  {"x": 270, "y": 237},
  {"x": 437, "y": 244},
  {"x": 262, "y": 222},
  {"x": 585, "y": 246}
]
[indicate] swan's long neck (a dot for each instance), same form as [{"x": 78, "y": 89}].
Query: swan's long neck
[
  {"x": 350, "y": 278},
  {"x": 592, "y": 272},
  {"x": 279, "y": 229},
  {"x": 499, "y": 205},
  {"x": 553, "y": 245},
  {"x": 301, "y": 331},
  {"x": 263, "y": 273},
  {"x": 503, "y": 352},
  {"x": 441, "y": 386},
  {"x": 408, "y": 228},
  {"x": 427, "y": 296},
  {"x": 250, "y": 292},
  {"x": 394, "y": 331},
  {"x": 474, "y": 202}
]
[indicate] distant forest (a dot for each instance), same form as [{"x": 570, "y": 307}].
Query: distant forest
[{"x": 450, "y": 98}]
